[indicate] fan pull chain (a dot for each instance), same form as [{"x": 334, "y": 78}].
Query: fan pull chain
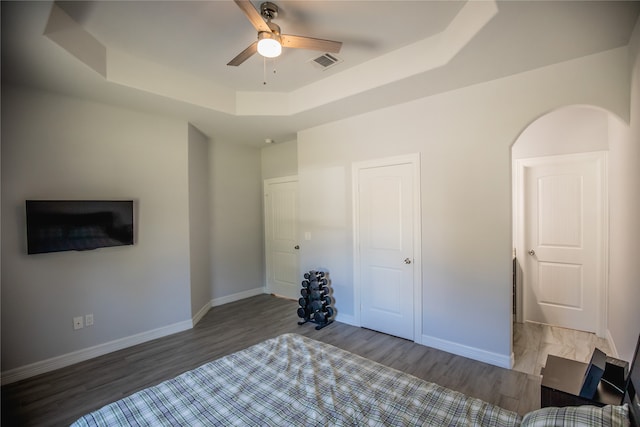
[{"x": 264, "y": 70}]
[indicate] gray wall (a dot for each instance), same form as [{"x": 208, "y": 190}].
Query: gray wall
[
  {"x": 237, "y": 236},
  {"x": 576, "y": 129},
  {"x": 624, "y": 232},
  {"x": 63, "y": 148},
  {"x": 199, "y": 238},
  {"x": 464, "y": 139},
  {"x": 199, "y": 224},
  {"x": 280, "y": 159}
]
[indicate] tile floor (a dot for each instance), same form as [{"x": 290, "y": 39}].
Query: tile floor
[{"x": 532, "y": 342}]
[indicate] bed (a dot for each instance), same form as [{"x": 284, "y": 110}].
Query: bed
[{"x": 294, "y": 380}]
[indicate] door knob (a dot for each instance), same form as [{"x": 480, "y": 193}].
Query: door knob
[
  {"x": 296, "y": 247},
  {"x": 532, "y": 252},
  {"x": 407, "y": 261}
]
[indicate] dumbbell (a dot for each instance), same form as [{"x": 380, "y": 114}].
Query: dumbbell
[
  {"x": 320, "y": 284},
  {"x": 318, "y": 305},
  {"x": 314, "y": 274},
  {"x": 303, "y": 302},
  {"x": 329, "y": 312},
  {"x": 321, "y": 294},
  {"x": 304, "y": 313},
  {"x": 320, "y": 317},
  {"x": 313, "y": 294}
]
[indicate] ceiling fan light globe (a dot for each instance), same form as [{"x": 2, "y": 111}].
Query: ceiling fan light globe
[{"x": 269, "y": 48}]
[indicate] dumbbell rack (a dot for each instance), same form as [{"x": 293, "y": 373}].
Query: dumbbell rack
[{"x": 316, "y": 304}]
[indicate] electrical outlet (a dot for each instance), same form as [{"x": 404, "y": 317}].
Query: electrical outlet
[
  {"x": 77, "y": 323},
  {"x": 88, "y": 320}
]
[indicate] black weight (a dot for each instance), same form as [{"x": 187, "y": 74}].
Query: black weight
[
  {"x": 316, "y": 305},
  {"x": 320, "y": 304},
  {"x": 319, "y": 294},
  {"x": 316, "y": 295},
  {"x": 316, "y": 302},
  {"x": 329, "y": 312},
  {"x": 319, "y": 317}
]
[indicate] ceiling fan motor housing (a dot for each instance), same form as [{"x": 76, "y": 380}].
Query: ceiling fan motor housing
[{"x": 269, "y": 10}]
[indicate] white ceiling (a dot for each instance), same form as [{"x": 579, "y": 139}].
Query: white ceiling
[{"x": 169, "y": 57}]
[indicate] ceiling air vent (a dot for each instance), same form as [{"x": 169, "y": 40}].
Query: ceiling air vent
[{"x": 326, "y": 60}]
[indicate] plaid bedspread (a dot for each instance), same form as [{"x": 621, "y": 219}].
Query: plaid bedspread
[{"x": 292, "y": 380}]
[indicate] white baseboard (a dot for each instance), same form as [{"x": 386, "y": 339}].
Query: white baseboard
[
  {"x": 200, "y": 314},
  {"x": 237, "y": 297},
  {"x": 37, "y": 368},
  {"x": 349, "y": 320},
  {"x": 68, "y": 359},
  {"x": 501, "y": 360},
  {"x": 496, "y": 359}
]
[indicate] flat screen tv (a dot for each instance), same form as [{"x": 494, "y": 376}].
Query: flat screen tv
[{"x": 78, "y": 225}]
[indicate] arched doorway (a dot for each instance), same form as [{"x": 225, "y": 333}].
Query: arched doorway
[{"x": 563, "y": 135}]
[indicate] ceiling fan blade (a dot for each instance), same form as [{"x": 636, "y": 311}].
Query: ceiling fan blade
[
  {"x": 253, "y": 15},
  {"x": 244, "y": 55},
  {"x": 300, "y": 42}
]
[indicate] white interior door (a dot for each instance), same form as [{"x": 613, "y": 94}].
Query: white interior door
[
  {"x": 281, "y": 236},
  {"x": 563, "y": 241},
  {"x": 385, "y": 234}
]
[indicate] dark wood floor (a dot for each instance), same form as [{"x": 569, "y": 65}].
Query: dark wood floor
[{"x": 58, "y": 398}]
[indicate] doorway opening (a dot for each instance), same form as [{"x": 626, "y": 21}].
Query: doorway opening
[{"x": 560, "y": 192}]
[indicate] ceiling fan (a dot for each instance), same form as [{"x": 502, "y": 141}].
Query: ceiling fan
[{"x": 270, "y": 40}]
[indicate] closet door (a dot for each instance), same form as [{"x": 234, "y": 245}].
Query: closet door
[
  {"x": 385, "y": 236},
  {"x": 281, "y": 236},
  {"x": 563, "y": 228}
]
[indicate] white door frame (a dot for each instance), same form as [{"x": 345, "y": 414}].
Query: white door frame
[
  {"x": 267, "y": 249},
  {"x": 519, "y": 166},
  {"x": 414, "y": 160}
]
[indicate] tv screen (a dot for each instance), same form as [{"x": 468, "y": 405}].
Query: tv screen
[{"x": 78, "y": 225}]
